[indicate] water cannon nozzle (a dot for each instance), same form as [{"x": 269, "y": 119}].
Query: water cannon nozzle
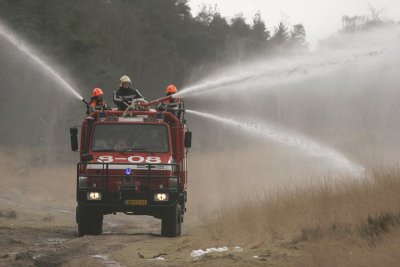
[{"x": 88, "y": 109}]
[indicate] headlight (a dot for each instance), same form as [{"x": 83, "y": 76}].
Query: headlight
[
  {"x": 160, "y": 197},
  {"x": 94, "y": 196},
  {"x": 83, "y": 182}
]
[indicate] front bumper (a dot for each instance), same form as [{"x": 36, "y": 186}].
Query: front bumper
[
  {"x": 114, "y": 195},
  {"x": 112, "y": 202}
]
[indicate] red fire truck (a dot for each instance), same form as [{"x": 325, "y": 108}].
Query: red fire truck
[{"x": 135, "y": 162}]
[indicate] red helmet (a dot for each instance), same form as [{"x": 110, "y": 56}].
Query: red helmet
[
  {"x": 97, "y": 92},
  {"x": 171, "y": 89}
]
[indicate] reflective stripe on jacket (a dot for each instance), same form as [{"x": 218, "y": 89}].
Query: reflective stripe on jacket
[
  {"x": 124, "y": 96},
  {"x": 173, "y": 100},
  {"x": 97, "y": 103}
]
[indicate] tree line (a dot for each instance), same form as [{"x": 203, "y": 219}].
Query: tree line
[
  {"x": 373, "y": 19},
  {"x": 157, "y": 42}
]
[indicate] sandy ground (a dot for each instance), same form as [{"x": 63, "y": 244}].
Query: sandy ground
[
  {"x": 41, "y": 233},
  {"x": 38, "y": 228}
]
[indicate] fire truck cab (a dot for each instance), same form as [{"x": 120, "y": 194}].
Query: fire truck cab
[{"x": 135, "y": 162}]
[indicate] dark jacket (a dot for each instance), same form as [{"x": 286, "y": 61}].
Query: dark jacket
[
  {"x": 124, "y": 96},
  {"x": 95, "y": 102},
  {"x": 173, "y": 100}
]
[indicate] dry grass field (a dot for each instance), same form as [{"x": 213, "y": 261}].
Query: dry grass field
[
  {"x": 33, "y": 174},
  {"x": 344, "y": 223},
  {"x": 309, "y": 221}
]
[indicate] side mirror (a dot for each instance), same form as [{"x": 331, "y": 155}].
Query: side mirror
[
  {"x": 74, "y": 138},
  {"x": 188, "y": 139},
  {"x": 87, "y": 157}
]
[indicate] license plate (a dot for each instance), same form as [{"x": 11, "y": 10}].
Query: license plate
[{"x": 136, "y": 202}]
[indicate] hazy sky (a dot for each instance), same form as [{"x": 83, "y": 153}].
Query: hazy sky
[{"x": 320, "y": 17}]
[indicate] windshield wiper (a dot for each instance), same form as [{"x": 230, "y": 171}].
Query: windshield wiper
[
  {"x": 111, "y": 150},
  {"x": 134, "y": 149},
  {"x": 122, "y": 152}
]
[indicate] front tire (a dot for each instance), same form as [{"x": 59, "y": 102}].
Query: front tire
[
  {"x": 171, "y": 222},
  {"x": 90, "y": 221}
]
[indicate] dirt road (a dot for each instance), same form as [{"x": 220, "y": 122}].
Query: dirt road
[{"x": 39, "y": 233}]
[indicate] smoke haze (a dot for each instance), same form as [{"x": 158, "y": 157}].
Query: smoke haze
[{"x": 344, "y": 96}]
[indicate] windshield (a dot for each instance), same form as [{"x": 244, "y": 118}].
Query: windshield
[{"x": 130, "y": 137}]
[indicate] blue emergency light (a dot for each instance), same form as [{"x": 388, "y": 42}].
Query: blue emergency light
[
  {"x": 128, "y": 171},
  {"x": 102, "y": 115}
]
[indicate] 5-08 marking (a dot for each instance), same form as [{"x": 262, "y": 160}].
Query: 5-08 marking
[{"x": 133, "y": 159}]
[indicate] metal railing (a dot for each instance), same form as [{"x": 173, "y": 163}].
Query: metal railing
[{"x": 101, "y": 172}]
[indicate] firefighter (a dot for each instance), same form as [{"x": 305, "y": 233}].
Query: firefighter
[
  {"x": 100, "y": 144},
  {"x": 170, "y": 91},
  {"x": 97, "y": 98},
  {"x": 124, "y": 96},
  {"x": 173, "y": 105},
  {"x": 121, "y": 144}
]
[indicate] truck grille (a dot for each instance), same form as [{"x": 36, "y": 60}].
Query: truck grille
[{"x": 109, "y": 179}]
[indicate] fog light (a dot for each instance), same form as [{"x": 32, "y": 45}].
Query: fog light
[
  {"x": 83, "y": 182},
  {"x": 94, "y": 196},
  {"x": 160, "y": 197}
]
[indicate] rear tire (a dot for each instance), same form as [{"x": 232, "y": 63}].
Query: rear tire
[
  {"x": 171, "y": 224},
  {"x": 90, "y": 221}
]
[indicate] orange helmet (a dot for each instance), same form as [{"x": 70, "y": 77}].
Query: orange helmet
[
  {"x": 97, "y": 91},
  {"x": 171, "y": 89}
]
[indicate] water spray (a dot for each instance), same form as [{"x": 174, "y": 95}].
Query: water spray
[
  {"x": 88, "y": 109},
  {"x": 18, "y": 43},
  {"x": 280, "y": 71},
  {"x": 272, "y": 133}
]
